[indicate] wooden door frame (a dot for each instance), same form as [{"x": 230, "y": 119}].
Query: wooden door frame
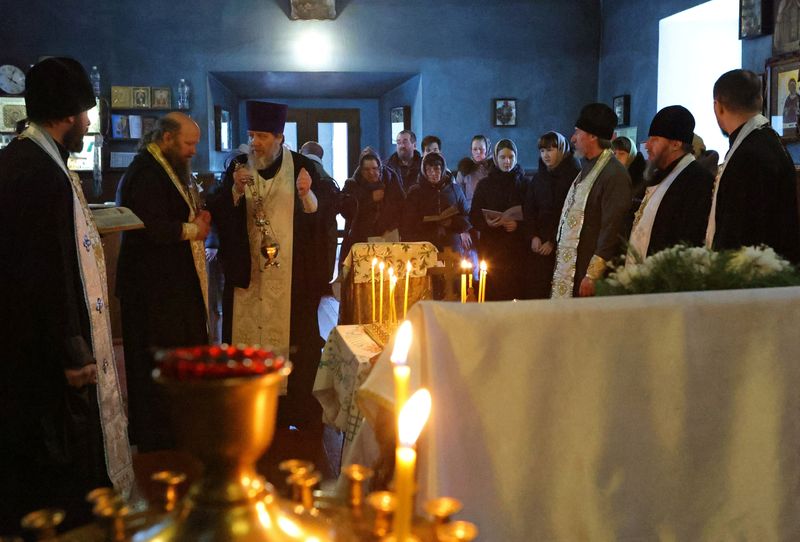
[{"x": 307, "y": 119}]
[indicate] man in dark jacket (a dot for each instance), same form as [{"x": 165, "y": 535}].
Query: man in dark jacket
[
  {"x": 592, "y": 219},
  {"x": 755, "y": 201},
  {"x": 161, "y": 271},
  {"x": 406, "y": 161},
  {"x": 58, "y": 360},
  {"x": 272, "y": 239},
  {"x": 314, "y": 152},
  {"x": 439, "y": 200},
  {"x": 678, "y": 196}
]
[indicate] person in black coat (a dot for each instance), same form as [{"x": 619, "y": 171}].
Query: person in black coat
[
  {"x": 254, "y": 291},
  {"x": 158, "y": 283},
  {"x": 627, "y": 154},
  {"x": 544, "y": 199},
  {"x": 678, "y": 197},
  {"x": 372, "y": 202},
  {"x": 51, "y": 436},
  {"x": 433, "y": 195},
  {"x": 756, "y": 198},
  {"x": 501, "y": 242}
]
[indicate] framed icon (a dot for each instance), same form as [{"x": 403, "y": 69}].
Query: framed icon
[
  {"x": 161, "y": 98},
  {"x": 505, "y": 111},
  {"x": 121, "y": 97},
  {"x": 622, "y": 108},
  {"x": 141, "y": 97}
]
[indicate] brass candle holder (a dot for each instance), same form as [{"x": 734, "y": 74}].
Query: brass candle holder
[
  {"x": 442, "y": 509},
  {"x": 457, "y": 531}
]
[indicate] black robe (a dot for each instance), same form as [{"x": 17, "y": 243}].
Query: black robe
[
  {"x": 309, "y": 281},
  {"x": 160, "y": 297},
  {"x": 682, "y": 215},
  {"x": 757, "y": 197},
  {"x": 51, "y": 449},
  {"x": 544, "y": 199},
  {"x": 425, "y": 199},
  {"x": 501, "y": 249}
]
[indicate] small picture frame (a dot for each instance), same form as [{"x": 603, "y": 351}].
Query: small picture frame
[
  {"x": 120, "y": 127},
  {"x": 504, "y": 111},
  {"x": 12, "y": 110},
  {"x": 161, "y": 98},
  {"x": 121, "y": 97},
  {"x": 785, "y": 36},
  {"x": 783, "y": 101},
  {"x": 141, "y": 97},
  {"x": 622, "y": 108},
  {"x": 755, "y": 18}
]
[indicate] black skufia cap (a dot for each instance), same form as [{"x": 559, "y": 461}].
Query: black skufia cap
[{"x": 57, "y": 87}]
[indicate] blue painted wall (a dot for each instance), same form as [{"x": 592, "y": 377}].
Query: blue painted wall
[
  {"x": 629, "y": 54},
  {"x": 544, "y": 53}
]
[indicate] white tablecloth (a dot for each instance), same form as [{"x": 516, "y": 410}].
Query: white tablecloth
[
  {"x": 344, "y": 365},
  {"x": 661, "y": 417}
]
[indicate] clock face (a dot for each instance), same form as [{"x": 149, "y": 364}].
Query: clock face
[{"x": 12, "y": 79}]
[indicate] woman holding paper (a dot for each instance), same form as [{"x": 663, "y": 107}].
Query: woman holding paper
[
  {"x": 496, "y": 213},
  {"x": 435, "y": 209}
]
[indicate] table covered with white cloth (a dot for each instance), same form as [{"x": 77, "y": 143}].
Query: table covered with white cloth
[{"x": 659, "y": 417}]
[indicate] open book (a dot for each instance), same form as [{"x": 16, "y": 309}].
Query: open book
[
  {"x": 113, "y": 219},
  {"x": 447, "y": 213},
  {"x": 512, "y": 213}
]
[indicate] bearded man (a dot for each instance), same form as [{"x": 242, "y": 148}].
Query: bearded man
[
  {"x": 270, "y": 214},
  {"x": 161, "y": 271},
  {"x": 60, "y": 399}
]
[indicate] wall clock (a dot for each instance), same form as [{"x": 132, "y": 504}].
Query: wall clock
[{"x": 12, "y": 79}]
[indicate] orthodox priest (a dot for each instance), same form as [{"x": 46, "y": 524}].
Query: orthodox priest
[
  {"x": 272, "y": 243},
  {"x": 60, "y": 401},
  {"x": 678, "y": 194},
  {"x": 594, "y": 211},
  {"x": 161, "y": 270},
  {"x": 755, "y": 194}
]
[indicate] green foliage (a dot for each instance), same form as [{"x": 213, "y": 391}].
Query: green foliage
[{"x": 684, "y": 269}]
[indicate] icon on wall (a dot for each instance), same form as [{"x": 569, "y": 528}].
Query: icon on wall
[
  {"x": 505, "y": 111},
  {"x": 622, "y": 108}
]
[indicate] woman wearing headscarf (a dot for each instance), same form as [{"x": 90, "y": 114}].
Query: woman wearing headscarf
[
  {"x": 435, "y": 195},
  {"x": 625, "y": 150},
  {"x": 544, "y": 199},
  {"x": 372, "y": 201},
  {"x": 501, "y": 240}
]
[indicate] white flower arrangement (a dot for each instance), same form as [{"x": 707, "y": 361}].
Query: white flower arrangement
[{"x": 682, "y": 268}]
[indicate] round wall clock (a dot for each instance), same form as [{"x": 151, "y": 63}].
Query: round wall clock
[{"x": 12, "y": 79}]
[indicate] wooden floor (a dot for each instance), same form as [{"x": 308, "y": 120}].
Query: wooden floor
[{"x": 324, "y": 450}]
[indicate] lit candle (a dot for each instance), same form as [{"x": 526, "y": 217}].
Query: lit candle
[
  {"x": 470, "y": 277},
  {"x": 381, "y": 267},
  {"x": 372, "y": 280},
  {"x": 482, "y": 285},
  {"x": 410, "y": 422},
  {"x": 402, "y": 343},
  {"x": 405, "y": 294},
  {"x": 392, "y": 284}
]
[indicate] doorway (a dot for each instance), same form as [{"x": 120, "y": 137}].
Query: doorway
[{"x": 338, "y": 131}]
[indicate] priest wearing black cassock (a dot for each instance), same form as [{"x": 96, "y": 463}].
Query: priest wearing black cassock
[
  {"x": 161, "y": 270},
  {"x": 57, "y": 363},
  {"x": 678, "y": 196},
  {"x": 755, "y": 201},
  {"x": 272, "y": 239}
]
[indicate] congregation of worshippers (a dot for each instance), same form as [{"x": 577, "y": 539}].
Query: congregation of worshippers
[{"x": 271, "y": 226}]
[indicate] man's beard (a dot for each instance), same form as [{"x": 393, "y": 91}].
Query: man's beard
[
  {"x": 259, "y": 161},
  {"x": 181, "y": 166},
  {"x": 650, "y": 171},
  {"x": 73, "y": 138}
]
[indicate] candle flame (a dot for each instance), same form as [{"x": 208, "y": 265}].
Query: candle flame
[
  {"x": 391, "y": 273},
  {"x": 408, "y": 266},
  {"x": 483, "y": 265},
  {"x": 464, "y": 264},
  {"x": 413, "y": 416},
  {"x": 381, "y": 266},
  {"x": 402, "y": 343},
  {"x": 374, "y": 262},
  {"x": 392, "y": 280}
]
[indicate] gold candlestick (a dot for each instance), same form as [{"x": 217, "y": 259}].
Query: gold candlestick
[
  {"x": 457, "y": 531},
  {"x": 464, "y": 265}
]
